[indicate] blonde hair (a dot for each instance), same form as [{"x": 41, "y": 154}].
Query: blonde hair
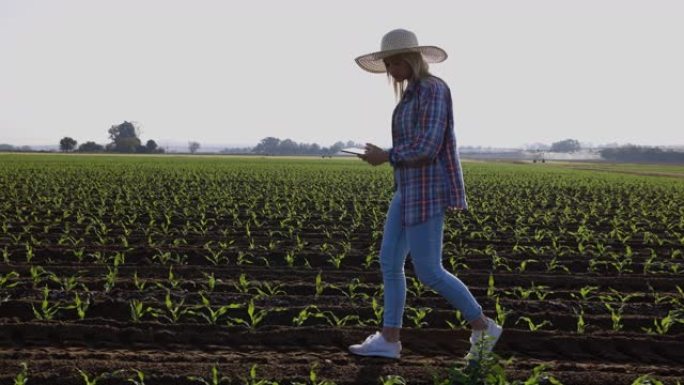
[{"x": 419, "y": 70}]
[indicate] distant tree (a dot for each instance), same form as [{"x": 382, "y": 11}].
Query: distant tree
[
  {"x": 269, "y": 145},
  {"x": 25, "y": 148},
  {"x": 6, "y": 147},
  {"x": 124, "y": 138},
  {"x": 632, "y": 153},
  {"x": 67, "y": 144},
  {"x": 90, "y": 147},
  {"x": 288, "y": 146},
  {"x": 567, "y": 145},
  {"x": 151, "y": 146},
  {"x": 193, "y": 147},
  {"x": 127, "y": 145},
  {"x": 314, "y": 149},
  {"x": 275, "y": 146},
  {"x": 335, "y": 148}
]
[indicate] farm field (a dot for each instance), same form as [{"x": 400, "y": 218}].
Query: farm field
[{"x": 267, "y": 269}]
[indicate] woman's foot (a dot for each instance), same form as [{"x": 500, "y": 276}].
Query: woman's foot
[
  {"x": 377, "y": 346},
  {"x": 483, "y": 341}
]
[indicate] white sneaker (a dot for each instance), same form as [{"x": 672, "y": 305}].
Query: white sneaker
[
  {"x": 483, "y": 341},
  {"x": 376, "y": 345}
]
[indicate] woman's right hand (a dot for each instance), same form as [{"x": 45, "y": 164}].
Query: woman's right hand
[{"x": 374, "y": 155}]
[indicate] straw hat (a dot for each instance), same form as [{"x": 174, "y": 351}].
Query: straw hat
[{"x": 398, "y": 41}]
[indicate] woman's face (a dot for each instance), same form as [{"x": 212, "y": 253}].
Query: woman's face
[{"x": 398, "y": 68}]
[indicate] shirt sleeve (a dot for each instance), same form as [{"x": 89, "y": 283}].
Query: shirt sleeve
[{"x": 432, "y": 122}]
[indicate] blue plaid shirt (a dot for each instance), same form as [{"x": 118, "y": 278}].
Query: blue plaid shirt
[{"x": 427, "y": 169}]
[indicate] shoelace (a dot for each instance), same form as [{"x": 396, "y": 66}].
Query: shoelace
[{"x": 370, "y": 337}]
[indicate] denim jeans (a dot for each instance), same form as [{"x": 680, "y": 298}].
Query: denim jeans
[{"x": 424, "y": 242}]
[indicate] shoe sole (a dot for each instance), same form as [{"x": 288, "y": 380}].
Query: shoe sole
[{"x": 375, "y": 354}]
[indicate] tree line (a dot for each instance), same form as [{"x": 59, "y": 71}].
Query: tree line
[
  {"x": 633, "y": 153},
  {"x": 124, "y": 139},
  {"x": 275, "y": 146}
]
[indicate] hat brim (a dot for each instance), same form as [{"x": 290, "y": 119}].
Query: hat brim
[{"x": 372, "y": 62}]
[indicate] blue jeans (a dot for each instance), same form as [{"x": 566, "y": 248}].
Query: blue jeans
[{"x": 424, "y": 241}]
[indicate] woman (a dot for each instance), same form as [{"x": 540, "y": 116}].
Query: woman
[{"x": 428, "y": 181}]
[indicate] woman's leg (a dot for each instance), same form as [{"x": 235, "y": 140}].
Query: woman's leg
[
  {"x": 425, "y": 243},
  {"x": 393, "y": 253}
]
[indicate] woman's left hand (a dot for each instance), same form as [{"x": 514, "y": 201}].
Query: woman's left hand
[{"x": 375, "y": 155}]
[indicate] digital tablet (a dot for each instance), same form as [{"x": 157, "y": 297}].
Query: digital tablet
[{"x": 354, "y": 152}]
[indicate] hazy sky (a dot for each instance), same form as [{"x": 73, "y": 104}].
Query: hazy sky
[{"x": 234, "y": 72}]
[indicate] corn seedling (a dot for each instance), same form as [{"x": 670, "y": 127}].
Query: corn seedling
[
  {"x": 647, "y": 379},
  {"x": 501, "y": 312},
  {"x": 173, "y": 311},
  {"x": 352, "y": 290},
  {"x": 255, "y": 317},
  {"x": 531, "y": 325},
  {"x": 417, "y": 288},
  {"x": 313, "y": 378},
  {"x": 378, "y": 311},
  {"x": 67, "y": 284},
  {"x": 172, "y": 282},
  {"x": 584, "y": 293},
  {"x": 334, "y": 320},
  {"x": 290, "y": 257},
  {"x": 615, "y": 315},
  {"x": 139, "y": 310},
  {"x": 460, "y": 322},
  {"x": 212, "y": 314},
  {"x": 268, "y": 290},
  {"x": 215, "y": 379},
  {"x": 88, "y": 380},
  {"x": 81, "y": 306},
  {"x": 46, "y": 311},
  {"x": 216, "y": 257},
  {"x": 243, "y": 285},
  {"x": 253, "y": 379},
  {"x": 139, "y": 283},
  {"x": 662, "y": 326},
  {"x": 319, "y": 284},
  {"x": 37, "y": 274},
  {"x": 581, "y": 323},
  {"x": 336, "y": 259},
  {"x": 392, "y": 379},
  {"x": 138, "y": 378},
  {"x": 417, "y": 315},
  {"x": 211, "y": 282},
  {"x": 5, "y": 280},
  {"x": 110, "y": 278},
  {"x": 311, "y": 311},
  {"x": 491, "y": 289},
  {"x": 22, "y": 377}
]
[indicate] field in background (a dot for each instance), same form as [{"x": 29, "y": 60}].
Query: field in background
[{"x": 174, "y": 265}]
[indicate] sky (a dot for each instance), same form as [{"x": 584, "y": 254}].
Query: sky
[{"x": 235, "y": 72}]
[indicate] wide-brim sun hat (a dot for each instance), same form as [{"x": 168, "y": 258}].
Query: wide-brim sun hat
[{"x": 395, "y": 42}]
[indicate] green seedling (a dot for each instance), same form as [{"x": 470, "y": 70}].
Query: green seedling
[
  {"x": 313, "y": 378},
  {"x": 417, "y": 315},
  {"x": 46, "y": 311},
  {"x": 212, "y": 314},
  {"x": 22, "y": 377},
  {"x": 532, "y": 326},
  {"x": 138, "y": 378},
  {"x": 6, "y": 280},
  {"x": 139, "y": 310},
  {"x": 215, "y": 379},
  {"x": 88, "y": 380}
]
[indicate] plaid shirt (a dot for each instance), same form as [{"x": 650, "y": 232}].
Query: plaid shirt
[{"x": 427, "y": 170}]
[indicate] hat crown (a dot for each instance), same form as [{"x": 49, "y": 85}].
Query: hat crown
[{"x": 398, "y": 39}]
